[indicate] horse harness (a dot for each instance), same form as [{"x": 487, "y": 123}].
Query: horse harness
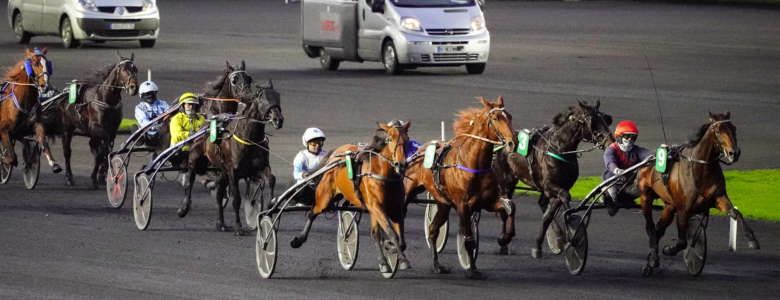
[{"x": 12, "y": 95}]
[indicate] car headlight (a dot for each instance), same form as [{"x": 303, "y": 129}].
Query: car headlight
[
  {"x": 477, "y": 23},
  {"x": 148, "y": 4},
  {"x": 88, "y": 5},
  {"x": 411, "y": 24}
]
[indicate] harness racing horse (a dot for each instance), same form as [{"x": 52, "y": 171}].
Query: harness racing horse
[
  {"x": 695, "y": 184},
  {"x": 462, "y": 176},
  {"x": 375, "y": 183},
  {"x": 20, "y": 109},
  {"x": 96, "y": 113},
  {"x": 550, "y": 166},
  {"x": 241, "y": 155}
]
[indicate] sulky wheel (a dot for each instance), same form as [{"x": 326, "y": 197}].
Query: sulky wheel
[
  {"x": 32, "y": 163},
  {"x": 266, "y": 247},
  {"x": 576, "y": 250},
  {"x": 5, "y": 169},
  {"x": 254, "y": 194},
  {"x": 142, "y": 202},
  {"x": 695, "y": 255},
  {"x": 555, "y": 233},
  {"x": 116, "y": 182},
  {"x": 430, "y": 212},
  {"x": 391, "y": 255},
  {"x": 463, "y": 255},
  {"x": 347, "y": 240}
]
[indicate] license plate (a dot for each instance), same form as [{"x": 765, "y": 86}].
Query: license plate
[
  {"x": 116, "y": 26},
  {"x": 449, "y": 49}
]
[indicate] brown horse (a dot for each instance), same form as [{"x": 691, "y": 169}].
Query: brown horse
[
  {"x": 463, "y": 178},
  {"x": 241, "y": 155},
  {"x": 20, "y": 110},
  {"x": 377, "y": 188},
  {"x": 696, "y": 184},
  {"x": 96, "y": 114},
  {"x": 551, "y": 176}
]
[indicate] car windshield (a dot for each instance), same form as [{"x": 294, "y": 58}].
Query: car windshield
[{"x": 432, "y": 3}]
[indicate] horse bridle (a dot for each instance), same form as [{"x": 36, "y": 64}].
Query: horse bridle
[
  {"x": 125, "y": 81},
  {"x": 234, "y": 87},
  {"x": 599, "y": 136},
  {"x": 399, "y": 167},
  {"x": 491, "y": 125},
  {"x": 44, "y": 72}
]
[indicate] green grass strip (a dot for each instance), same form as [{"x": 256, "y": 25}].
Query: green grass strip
[
  {"x": 755, "y": 192},
  {"x": 126, "y": 123}
]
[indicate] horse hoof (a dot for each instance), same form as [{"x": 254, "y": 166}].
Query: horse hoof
[
  {"x": 474, "y": 275},
  {"x": 404, "y": 265},
  {"x": 385, "y": 268},
  {"x": 242, "y": 231},
  {"x": 536, "y": 253},
  {"x": 669, "y": 251},
  {"x": 182, "y": 212},
  {"x": 297, "y": 242},
  {"x": 56, "y": 168},
  {"x": 69, "y": 183},
  {"x": 503, "y": 251},
  {"x": 647, "y": 271},
  {"x": 653, "y": 261},
  {"x": 754, "y": 245},
  {"x": 440, "y": 270},
  {"x": 222, "y": 228}
]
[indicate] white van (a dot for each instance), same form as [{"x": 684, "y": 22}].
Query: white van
[{"x": 402, "y": 34}]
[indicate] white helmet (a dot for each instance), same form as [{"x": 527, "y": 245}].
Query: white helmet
[
  {"x": 312, "y": 133},
  {"x": 146, "y": 87}
]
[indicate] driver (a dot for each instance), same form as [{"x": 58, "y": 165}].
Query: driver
[
  {"x": 149, "y": 109},
  {"x": 618, "y": 157},
  {"x": 184, "y": 124},
  {"x": 306, "y": 160}
]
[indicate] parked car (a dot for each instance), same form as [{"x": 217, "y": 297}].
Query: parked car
[{"x": 78, "y": 20}]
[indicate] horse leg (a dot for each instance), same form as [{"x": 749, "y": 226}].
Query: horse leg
[
  {"x": 652, "y": 257},
  {"x": 660, "y": 229},
  {"x": 508, "y": 230},
  {"x": 442, "y": 214},
  {"x": 219, "y": 193},
  {"x": 682, "y": 234},
  {"x": 323, "y": 196},
  {"x": 723, "y": 204},
  {"x": 548, "y": 217},
  {"x": 67, "y": 137},
  {"x": 392, "y": 240},
  {"x": 43, "y": 145},
  {"x": 377, "y": 239},
  {"x": 182, "y": 212},
  {"x": 8, "y": 144},
  {"x": 236, "y": 194},
  {"x": 469, "y": 242},
  {"x": 270, "y": 183}
]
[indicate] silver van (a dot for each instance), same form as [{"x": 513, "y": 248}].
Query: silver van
[{"x": 402, "y": 34}]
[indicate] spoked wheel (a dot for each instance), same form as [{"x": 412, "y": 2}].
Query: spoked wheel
[
  {"x": 441, "y": 241},
  {"x": 576, "y": 250},
  {"x": 5, "y": 169},
  {"x": 265, "y": 248},
  {"x": 391, "y": 255},
  {"x": 695, "y": 255},
  {"x": 554, "y": 239},
  {"x": 347, "y": 240},
  {"x": 116, "y": 182},
  {"x": 463, "y": 254},
  {"x": 32, "y": 163},
  {"x": 254, "y": 193},
  {"x": 142, "y": 202}
]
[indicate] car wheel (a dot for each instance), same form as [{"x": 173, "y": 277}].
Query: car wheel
[
  {"x": 22, "y": 37},
  {"x": 327, "y": 62},
  {"x": 147, "y": 43},
  {"x": 390, "y": 59},
  {"x": 475, "y": 68},
  {"x": 66, "y": 33}
]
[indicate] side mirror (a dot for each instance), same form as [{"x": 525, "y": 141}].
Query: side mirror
[
  {"x": 481, "y": 4},
  {"x": 377, "y": 6}
]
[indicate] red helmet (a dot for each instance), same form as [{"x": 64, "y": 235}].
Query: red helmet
[{"x": 626, "y": 127}]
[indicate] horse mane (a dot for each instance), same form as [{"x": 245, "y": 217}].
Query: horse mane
[
  {"x": 562, "y": 117},
  {"x": 99, "y": 75},
  {"x": 15, "y": 71},
  {"x": 698, "y": 135},
  {"x": 376, "y": 145},
  {"x": 214, "y": 87},
  {"x": 465, "y": 118}
]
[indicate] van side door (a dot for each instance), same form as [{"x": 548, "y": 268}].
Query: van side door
[
  {"x": 31, "y": 15},
  {"x": 50, "y": 16},
  {"x": 370, "y": 26}
]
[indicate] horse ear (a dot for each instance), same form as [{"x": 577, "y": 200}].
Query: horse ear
[
  {"x": 228, "y": 65},
  {"x": 132, "y": 56},
  {"x": 383, "y": 126},
  {"x": 712, "y": 117},
  {"x": 45, "y": 49},
  {"x": 407, "y": 124},
  {"x": 598, "y": 103},
  {"x": 728, "y": 115},
  {"x": 119, "y": 56},
  {"x": 501, "y": 101},
  {"x": 29, "y": 53},
  {"x": 270, "y": 84},
  {"x": 584, "y": 105},
  {"x": 243, "y": 66},
  {"x": 483, "y": 101}
]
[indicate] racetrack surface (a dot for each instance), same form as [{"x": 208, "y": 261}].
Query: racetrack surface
[{"x": 66, "y": 242}]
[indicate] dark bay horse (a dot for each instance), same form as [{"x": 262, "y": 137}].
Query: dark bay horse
[
  {"x": 243, "y": 154},
  {"x": 550, "y": 166},
  {"x": 96, "y": 114},
  {"x": 462, "y": 178},
  {"x": 20, "y": 109},
  {"x": 696, "y": 184},
  {"x": 377, "y": 187}
]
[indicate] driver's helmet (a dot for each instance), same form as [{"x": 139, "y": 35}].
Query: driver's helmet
[
  {"x": 312, "y": 133},
  {"x": 626, "y": 127},
  {"x": 146, "y": 87},
  {"x": 188, "y": 98}
]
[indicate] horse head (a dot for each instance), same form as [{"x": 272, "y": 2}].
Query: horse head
[
  {"x": 127, "y": 73},
  {"x": 498, "y": 122},
  {"x": 238, "y": 81},
  {"x": 268, "y": 102},
  {"x": 38, "y": 69},
  {"x": 725, "y": 136},
  {"x": 396, "y": 140},
  {"x": 596, "y": 124}
]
